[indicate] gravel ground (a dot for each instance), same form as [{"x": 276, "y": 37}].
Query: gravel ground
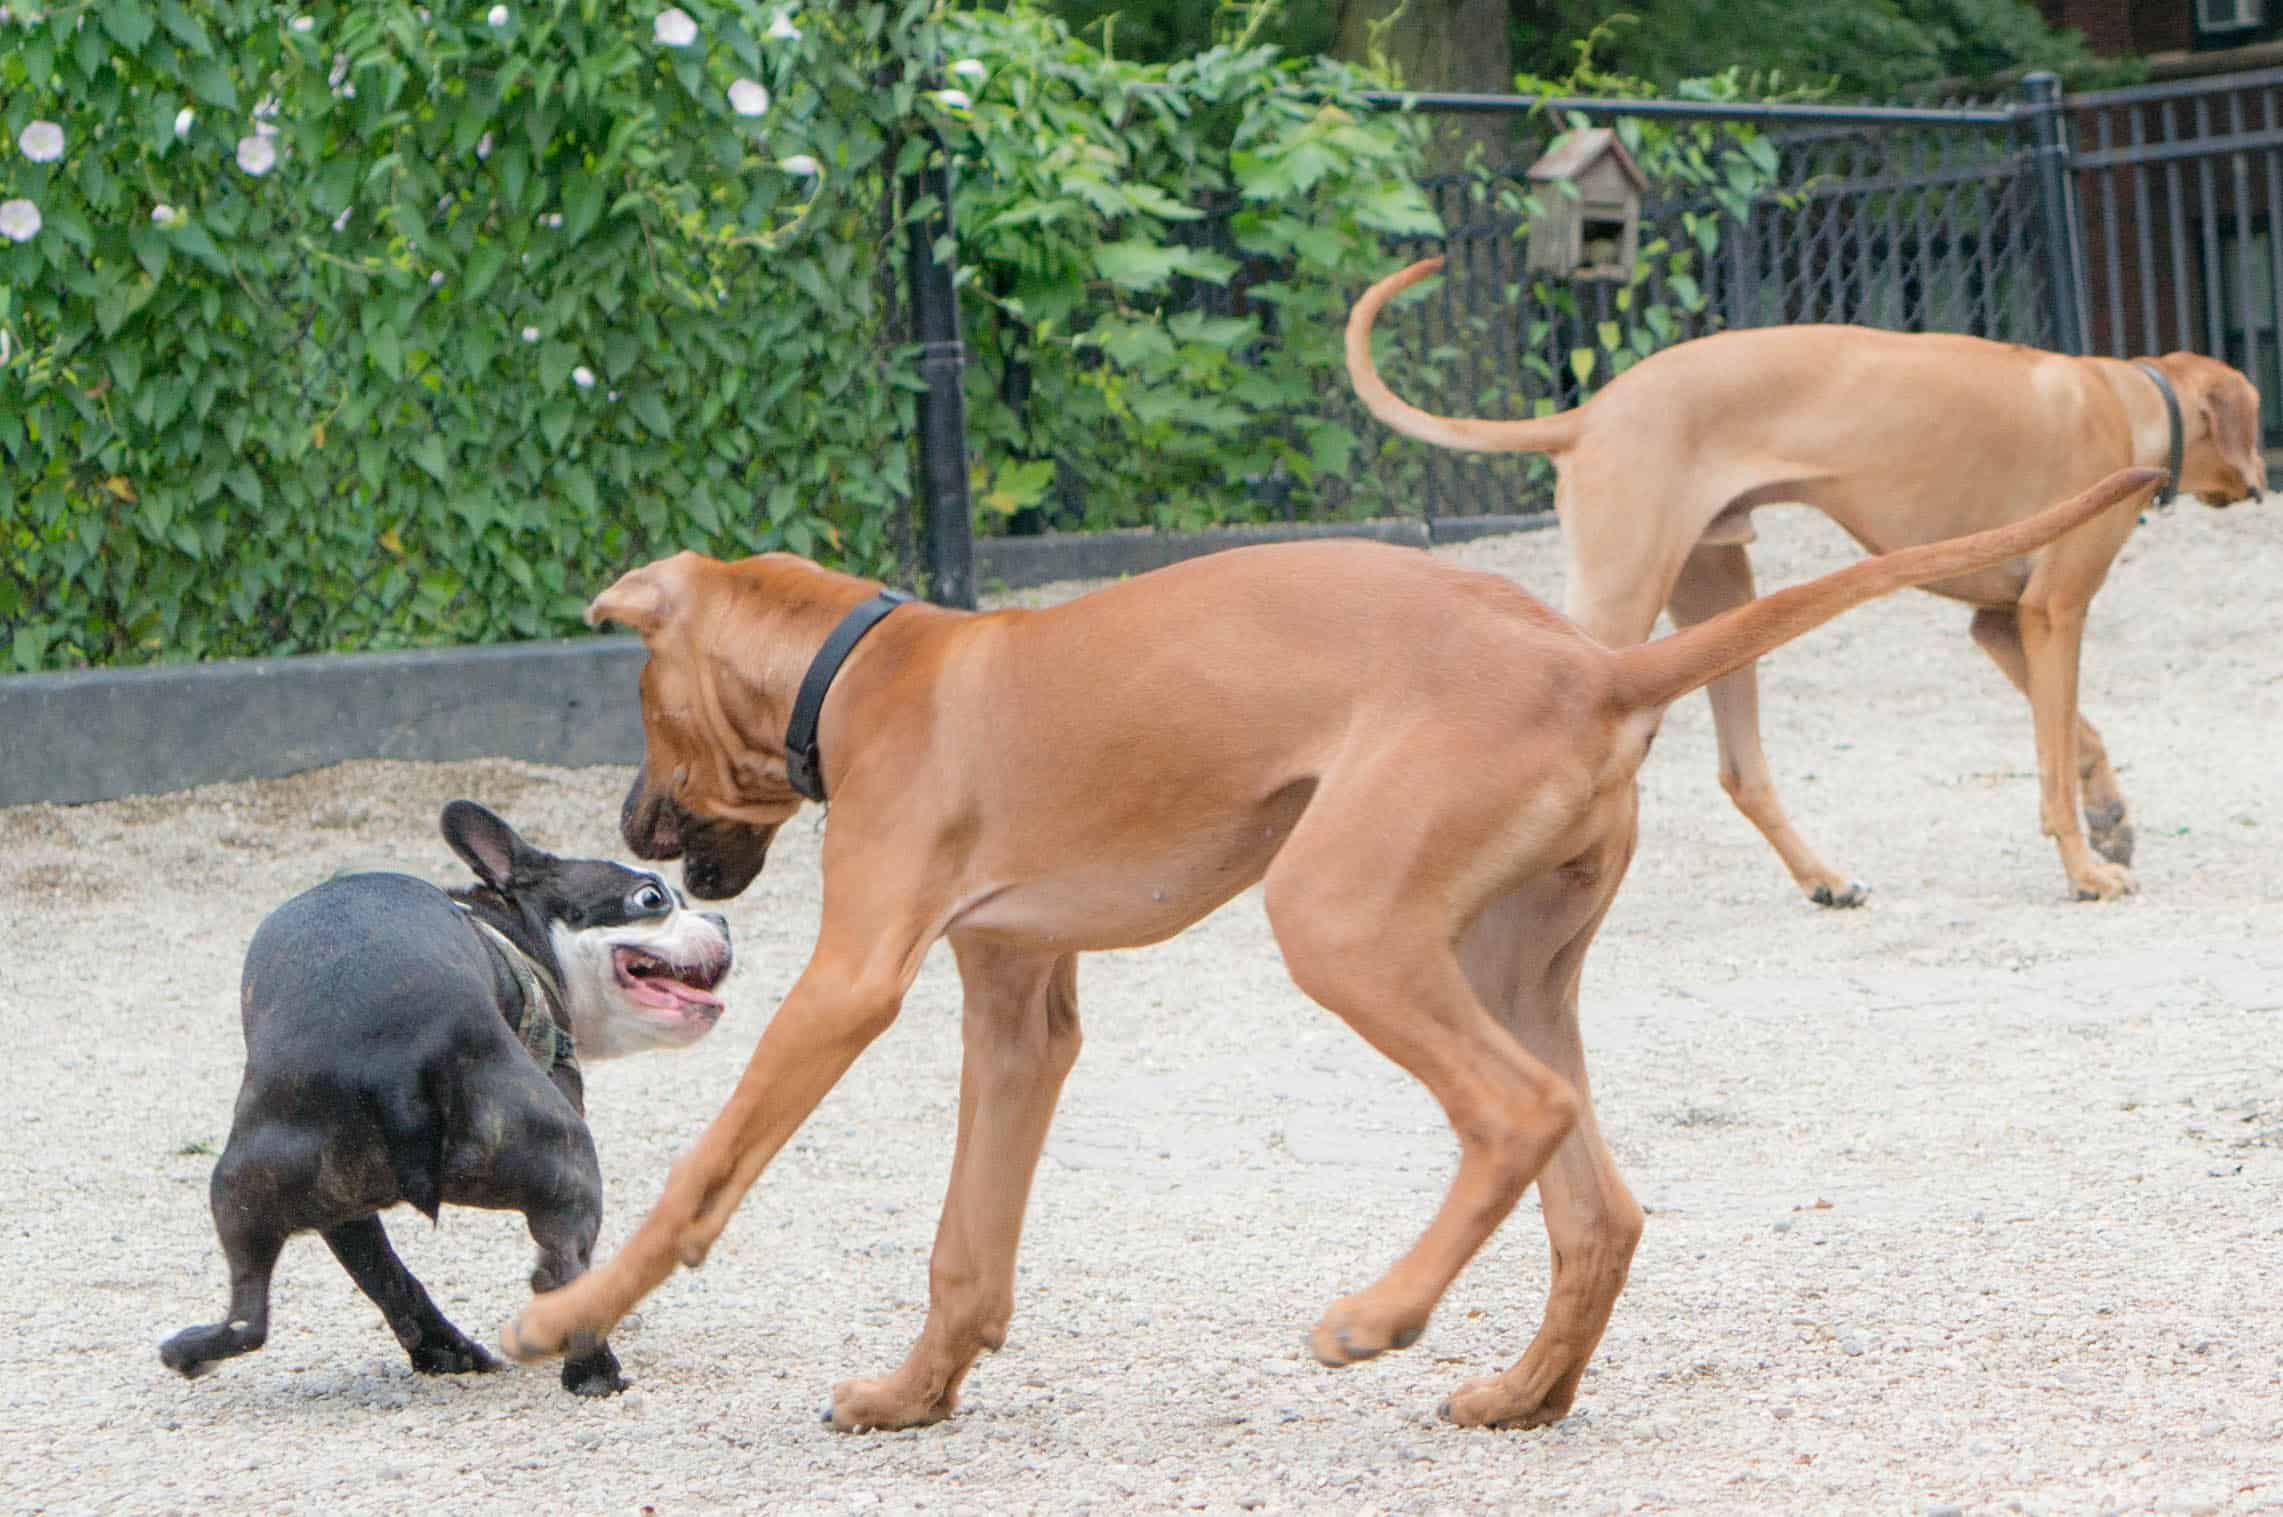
[{"x": 1965, "y": 1201}]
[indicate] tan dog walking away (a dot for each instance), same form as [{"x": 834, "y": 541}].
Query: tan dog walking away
[
  {"x": 1432, "y": 771},
  {"x": 1901, "y": 439}
]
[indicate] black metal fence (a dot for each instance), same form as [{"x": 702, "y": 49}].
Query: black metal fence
[
  {"x": 2125, "y": 222},
  {"x": 2180, "y": 192}
]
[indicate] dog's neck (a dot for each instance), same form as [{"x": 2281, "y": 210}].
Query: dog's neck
[
  {"x": 2175, "y": 434},
  {"x": 542, "y": 1022}
]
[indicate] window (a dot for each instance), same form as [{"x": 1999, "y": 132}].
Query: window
[{"x": 2229, "y": 15}]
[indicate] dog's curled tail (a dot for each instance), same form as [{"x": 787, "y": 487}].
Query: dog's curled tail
[
  {"x": 1652, "y": 675},
  {"x": 1544, "y": 434}
]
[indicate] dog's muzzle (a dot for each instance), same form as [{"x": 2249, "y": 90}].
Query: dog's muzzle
[{"x": 719, "y": 859}]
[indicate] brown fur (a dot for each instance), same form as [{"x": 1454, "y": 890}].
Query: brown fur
[
  {"x": 1901, "y": 439},
  {"x": 1431, "y": 772}
]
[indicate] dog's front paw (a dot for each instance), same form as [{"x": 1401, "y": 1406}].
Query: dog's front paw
[
  {"x": 885, "y": 1405},
  {"x": 455, "y": 1355},
  {"x": 1852, "y": 893},
  {"x": 1358, "y": 1327}
]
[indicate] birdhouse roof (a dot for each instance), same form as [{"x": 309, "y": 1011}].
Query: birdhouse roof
[{"x": 1574, "y": 152}]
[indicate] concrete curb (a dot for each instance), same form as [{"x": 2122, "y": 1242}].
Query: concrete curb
[{"x": 97, "y": 734}]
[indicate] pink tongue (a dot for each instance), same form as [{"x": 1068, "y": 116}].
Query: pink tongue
[{"x": 654, "y": 990}]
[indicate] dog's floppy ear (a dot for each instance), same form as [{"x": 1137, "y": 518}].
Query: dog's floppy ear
[
  {"x": 644, "y": 599},
  {"x": 487, "y": 844}
]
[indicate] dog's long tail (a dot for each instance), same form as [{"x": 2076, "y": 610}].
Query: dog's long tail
[
  {"x": 1656, "y": 674},
  {"x": 1543, "y": 434}
]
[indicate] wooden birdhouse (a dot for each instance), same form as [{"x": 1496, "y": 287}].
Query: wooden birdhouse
[{"x": 1589, "y": 191}]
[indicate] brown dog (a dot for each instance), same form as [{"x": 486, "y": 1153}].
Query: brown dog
[
  {"x": 1901, "y": 439},
  {"x": 1432, "y": 771}
]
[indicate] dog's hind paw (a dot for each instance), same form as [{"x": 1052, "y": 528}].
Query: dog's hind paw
[
  {"x": 595, "y": 1374},
  {"x": 2113, "y": 842},
  {"x": 1853, "y": 893},
  {"x": 456, "y": 1355}
]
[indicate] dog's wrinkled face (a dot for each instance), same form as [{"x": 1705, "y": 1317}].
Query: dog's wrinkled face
[
  {"x": 638, "y": 969},
  {"x": 2222, "y": 461},
  {"x": 711, "y": 789}
]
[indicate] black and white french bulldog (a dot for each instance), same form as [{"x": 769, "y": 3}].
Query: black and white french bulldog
[{"x": 405, "y": 1043}]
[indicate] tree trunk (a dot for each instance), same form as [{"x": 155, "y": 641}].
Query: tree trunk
[{"x": 1443, "y": 45}]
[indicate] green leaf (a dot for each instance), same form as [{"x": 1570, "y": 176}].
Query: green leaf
[
  {"x": 386, "y": 352},
  {"x": 1581, "y": 364},
  {"x": 129, "y": 23},
  {"x": 428, "y": 453},
  {"x": 186, "y": 28},
  {"x": 582, "y": 205},
  {"x": 482, "y": 268},
  {"x": 1136, "y": 265},
  {"x": 647, "y": 405}
]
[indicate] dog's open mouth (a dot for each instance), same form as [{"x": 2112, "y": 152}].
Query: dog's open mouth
[{"x": 648, "y": 980}]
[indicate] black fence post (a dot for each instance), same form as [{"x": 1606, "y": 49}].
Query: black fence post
[
  {"x": 947, "y": 516},
  {"x": 2057, "y": 211}
]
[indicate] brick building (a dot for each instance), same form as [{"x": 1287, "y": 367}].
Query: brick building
[{"x": 2180, "y": 38}]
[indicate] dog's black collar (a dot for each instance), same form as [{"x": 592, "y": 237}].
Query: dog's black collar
[
  {"x": 2172, "y": 423},
  {"x": 804, "y": 767}
]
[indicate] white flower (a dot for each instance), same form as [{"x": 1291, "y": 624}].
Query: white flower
[
  {"x": 435, "y": 279},
  {"x": 551, "y": 219},
  {"x": 8, "y": 346},
  {"x": 347, "y": 92},
  {"x": 184, "y": 119},
  {"x": 583, "y": 377},
  {"x": 165, "y": 216},
  {"x": 340, "y": 71},
  {"x": 530, "y": 334},
  {"x": 302, "y": 24},
  {"x": 953, "y": 100},
  {"x": 41, "y": 141},
  {"x": 341, "y": 222},
  {"x": 257, "y": 155},
  {"x": 497, "y": 16},
  {"x": 801, "y": 164},
  {"x": 265, "y": 107},
  {"x": 3, "y": 359},
  {"x": 747, "y": 98},
  {"x": 783, "y": 30},
  {"x": 483, "y": 146},
  {"x": 674, "y": 28},
  {"x": 971, "y": 70},
  {"x": 19, "y": 220}
]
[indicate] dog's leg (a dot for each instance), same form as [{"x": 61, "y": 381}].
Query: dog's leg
[
  {"x": 1020, "y": 1029},
  {"x": 848, "y": 995},
  {"x": 1712, "y": 580},
  {"x": 1372, "y": 944},
  {"x": 433, "y": 1344},
  {"x": 1997, "y": 631},
  {"x": 1592, "y": 1220},
  {"x": 251, "y": 1238},
  {"x": 565, "y": 1226},
  {"x": 2052, "y": 631}
]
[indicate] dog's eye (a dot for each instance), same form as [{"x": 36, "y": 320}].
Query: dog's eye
[{"x": 650, "y": 898}]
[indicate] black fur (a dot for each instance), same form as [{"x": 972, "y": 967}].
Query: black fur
[{"x": 381, "y": 1067}]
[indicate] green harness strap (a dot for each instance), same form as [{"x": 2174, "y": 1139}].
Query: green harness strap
[{"x": 534, "y": 1026}]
